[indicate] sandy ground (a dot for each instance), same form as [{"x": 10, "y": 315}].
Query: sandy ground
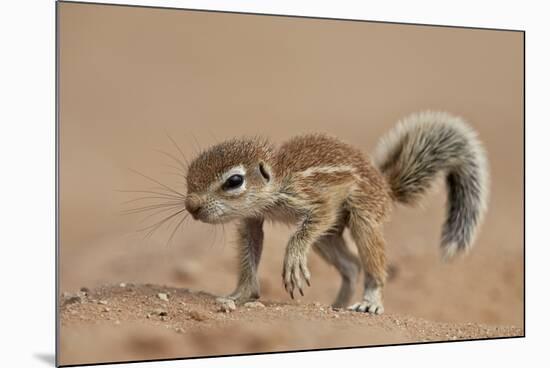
[
  {"x": 135, "y": 322},
  {"x": 426, "y": 300},
  {"x": 129, "y": 76}
]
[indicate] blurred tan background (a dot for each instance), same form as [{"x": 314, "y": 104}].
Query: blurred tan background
[{"x": 130, "y": 75}]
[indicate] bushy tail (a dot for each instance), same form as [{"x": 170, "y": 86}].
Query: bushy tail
[{"x": 426, "y": 144}]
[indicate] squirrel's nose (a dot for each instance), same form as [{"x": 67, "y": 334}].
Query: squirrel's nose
[{"x": 193, "y": 204}]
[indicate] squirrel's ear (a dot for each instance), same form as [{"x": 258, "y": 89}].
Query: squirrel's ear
[{"x": 264, "y": 170}]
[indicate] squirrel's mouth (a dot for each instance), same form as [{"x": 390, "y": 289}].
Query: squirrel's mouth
[
  {"x": 212, "y": 213},
  {"x": 210, "y": 218},
  {"x": 195, "y": 215}
]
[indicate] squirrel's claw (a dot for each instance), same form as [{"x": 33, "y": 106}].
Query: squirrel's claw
[
  {"x": 305, "y": 273},
  {"x": 295, "y": 271}
]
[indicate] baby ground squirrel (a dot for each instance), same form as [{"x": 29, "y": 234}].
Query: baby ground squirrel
[{"x": 323, "y": 186}]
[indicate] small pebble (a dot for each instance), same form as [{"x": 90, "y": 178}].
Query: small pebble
[
  {"x": 163, "y": 296},
  {"x": 70, "y": 299},
  {"x": 122, "y": 284},
  {"x": 197, "y": 316},
  {"x": 83, "y": 295},
  {"x": 254, "y": 305},
  {"x": 160, "y": 312},
  {"x": 102, "y": 302}
]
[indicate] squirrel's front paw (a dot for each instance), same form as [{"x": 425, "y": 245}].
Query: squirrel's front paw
[{"x": 294, "y": 270}]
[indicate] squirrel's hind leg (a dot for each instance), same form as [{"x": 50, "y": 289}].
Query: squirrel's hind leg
[
  {"x": 250, "y": 243},
  {"x": 370, "y": 245},
  {"x": 332, "y": 248}
]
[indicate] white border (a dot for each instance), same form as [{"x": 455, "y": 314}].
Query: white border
[{"x": 27, "y": 183}]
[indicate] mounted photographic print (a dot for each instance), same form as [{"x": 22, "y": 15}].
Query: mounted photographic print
[{"x": 233, "y": 183}]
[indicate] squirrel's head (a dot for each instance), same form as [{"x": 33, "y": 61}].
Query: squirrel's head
[{"x": 230, "y": 180}]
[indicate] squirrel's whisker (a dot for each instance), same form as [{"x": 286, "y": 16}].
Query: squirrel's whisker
[
  {"x": 177, "y": 172},
  {"x": 177, "y": 227},
  {"x": 223, "y": 234},
  {"x": 198, "y": 148},
  {"x": 155, "y": 213},
  {"x": 166, "y": 192},
  {"x": 159, "y": 183},
  {"x": 146, "y": 198},
  {"x": 183, "y": 166},
  {"x": 213, "y": 241},
  {"x": 152, "y": 192},
  {"x": 178, "y": 148},
  {"x": 171, "y": 173},
  {"x": 150, "y": 207},
  {"x": 159, "y": 224}
]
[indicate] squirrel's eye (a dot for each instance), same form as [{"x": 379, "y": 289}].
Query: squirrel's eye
[{"x": 233, "y": 182}]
